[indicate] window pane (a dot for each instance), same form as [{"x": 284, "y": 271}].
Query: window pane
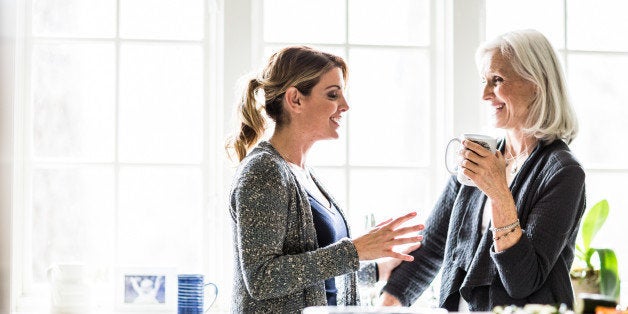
[
  {"x": 73, "y": 210},
  {"x": 503, "y": 16},
  {"x": 612, "y": 187},
  {"x": 161, "y": 213},
  {"x": 74, "y": 18},
  {"x": 161, "y": 19},
  {"x": 603, "y": 30},
  {"x": 73, "y": 99},
  {"x": 387, "y": 193},
  {"x": 389, "y": 115},
  {"x": 598, "y": 86},
  {"x": 161, "y": 98},
  {"x": 393, "y": 22},
  {"x": 270, "y": 49},
  {"x": 297, "y": 21}
]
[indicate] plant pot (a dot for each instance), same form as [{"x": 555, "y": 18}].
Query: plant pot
[{"x": 585, "y": 281}]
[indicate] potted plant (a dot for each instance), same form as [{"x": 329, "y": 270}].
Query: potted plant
[{"x": 585, "y": 274}]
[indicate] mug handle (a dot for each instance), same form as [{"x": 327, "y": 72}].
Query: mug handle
[
  {"x": 215, "y": 295},
  {"x": 454, "y": 172}
]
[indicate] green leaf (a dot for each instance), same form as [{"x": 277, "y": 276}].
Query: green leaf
[
  {"x": 609, "y": 273},
  {"x": 592, "y": 223}
]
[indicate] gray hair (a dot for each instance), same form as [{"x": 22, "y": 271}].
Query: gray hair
[{"x": 533, "y": 58}]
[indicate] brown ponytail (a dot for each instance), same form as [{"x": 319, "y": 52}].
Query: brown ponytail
[{"x": 252, "y": 122}]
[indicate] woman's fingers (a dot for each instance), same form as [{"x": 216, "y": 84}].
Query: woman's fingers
[
  {"x": 387, "y": 299},
  {"x": 470, "y": 166},
  {"x": 411, "y": 248},
  {"x": 399, "y": 221},
  {"x": 476, "y": 148},
  {"x": 407, "y": 240},
  {"x": 384, "y": 222},
  {"x": 401, "y": 256},
  {"x": 405, "y": 253},
  {"x": 406, "y": 230}
]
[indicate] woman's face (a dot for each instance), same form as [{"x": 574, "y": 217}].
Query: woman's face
[
  {"x": 324, "y": 106},
  {"x": 509, "y": 94}
]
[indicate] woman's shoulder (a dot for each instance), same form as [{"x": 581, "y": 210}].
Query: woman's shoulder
[
  {"x": 558, "y": 152},
  {"x": 557, "y": 158},
  {"x": 263, "y": 160}
]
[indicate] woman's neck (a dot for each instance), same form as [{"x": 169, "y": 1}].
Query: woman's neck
[
  {"x": 290, "y": 147},
  {"x": 518, "y": 143}
]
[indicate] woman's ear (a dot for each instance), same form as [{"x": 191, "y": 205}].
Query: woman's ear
[{"x": 292, "y": 99}]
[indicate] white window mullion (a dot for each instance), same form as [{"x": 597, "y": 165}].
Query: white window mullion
[
  {"x": 467, "y": 36},
  {"x": 116, "y": 219},
  {"x": 346, "y": 164},
  {"x": 21, "y": 239}
]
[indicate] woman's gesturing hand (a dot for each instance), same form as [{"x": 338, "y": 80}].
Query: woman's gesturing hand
[
  {"x": 386, "y": 266},
  {"x": 381, "y": 240}
]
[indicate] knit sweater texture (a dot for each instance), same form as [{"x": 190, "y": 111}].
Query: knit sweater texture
[
  {"x": 549, "y": 193},
  {"x": 279, "y": 267}
]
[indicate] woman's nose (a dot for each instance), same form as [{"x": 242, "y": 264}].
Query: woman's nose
[
  {"x": 488, "y": 91},
  {"x": 344, "y": 106}
]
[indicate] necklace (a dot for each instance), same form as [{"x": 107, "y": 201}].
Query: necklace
[{"x": 515, "y": 159}]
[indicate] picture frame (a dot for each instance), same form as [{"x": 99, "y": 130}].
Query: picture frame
[{"x": 146, "y": 289}]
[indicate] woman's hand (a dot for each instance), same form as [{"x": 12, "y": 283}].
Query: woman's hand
[
  {"x": 387, "y": 299},
  {"x": 381, "y": 240},
  {"x": 485, "y": 169},
  {"x": 386, "y": 266},
  {"x": 488, "y": 172}
]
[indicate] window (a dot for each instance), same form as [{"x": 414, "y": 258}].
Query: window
[
  {"x": 595, "y": 60},
  {"x": 387, "y": 133},
  {"x": 117, "y": 166}
]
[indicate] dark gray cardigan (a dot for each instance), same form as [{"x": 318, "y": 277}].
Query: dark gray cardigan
[
  {"x": 550, "y": 198},
  {"x": 279, "y": 267}
]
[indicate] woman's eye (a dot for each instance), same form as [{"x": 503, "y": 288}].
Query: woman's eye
[
  {"x": 497, "y": 80},
  {"x": 332, "y": 95}
]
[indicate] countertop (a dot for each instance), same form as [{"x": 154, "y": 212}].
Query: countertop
[{"x": 373, "y": 310}]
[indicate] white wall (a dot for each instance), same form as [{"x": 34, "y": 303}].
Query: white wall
[{"x": 7, "y": 46}]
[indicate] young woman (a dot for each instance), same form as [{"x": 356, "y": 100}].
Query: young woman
[{"x": 293, "y": 246}]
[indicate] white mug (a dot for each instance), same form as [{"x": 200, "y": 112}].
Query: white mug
[{"x": 490, "y": 143}]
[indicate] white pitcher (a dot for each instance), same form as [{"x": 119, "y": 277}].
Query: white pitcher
[{"x": 70, "y": 288}]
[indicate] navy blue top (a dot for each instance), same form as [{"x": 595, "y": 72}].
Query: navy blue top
[{"x": 330, "y": 228}]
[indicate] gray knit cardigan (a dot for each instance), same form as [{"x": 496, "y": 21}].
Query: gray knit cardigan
[
  {"x": 549, "y": 192},
  {"x": 279, "y": 267}
]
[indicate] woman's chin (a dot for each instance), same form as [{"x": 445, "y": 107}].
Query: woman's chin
[
  {"x": 498, "y": 123},
  {"x": 333, "y": 136}
]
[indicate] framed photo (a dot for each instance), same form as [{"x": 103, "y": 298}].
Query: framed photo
[{"x": 140, "y": 289}]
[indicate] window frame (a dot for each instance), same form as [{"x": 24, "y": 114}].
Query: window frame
[{"x": 26, "y": 295}]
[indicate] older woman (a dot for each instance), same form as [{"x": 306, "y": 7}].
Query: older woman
[
  {"x": 293, "y": 247},
  {"x": 511, "y": 239}
]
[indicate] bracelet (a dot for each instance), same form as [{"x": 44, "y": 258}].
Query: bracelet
[
  {"x": 505, "y": 235},
  {"x": 512, "y": 225}
]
